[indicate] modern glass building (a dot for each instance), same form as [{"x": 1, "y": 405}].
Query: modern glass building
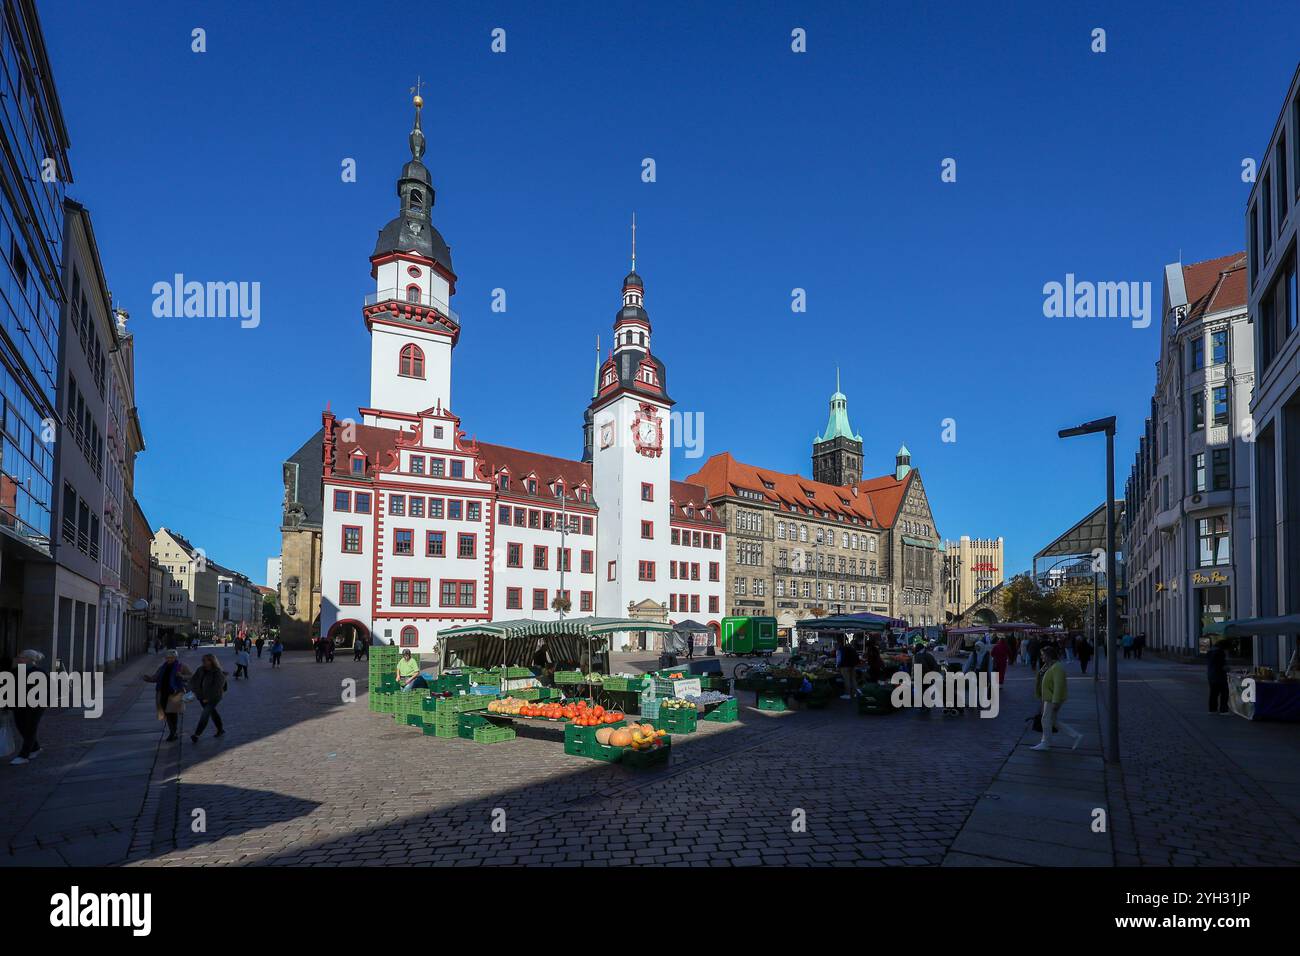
[{"x": 34, "y": 173}]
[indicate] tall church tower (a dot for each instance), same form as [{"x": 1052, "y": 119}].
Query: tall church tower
[
  {"x": 837, "y": 453},
  {"x": 632, "y": 436},
  {"x": 412, "y": 327}
]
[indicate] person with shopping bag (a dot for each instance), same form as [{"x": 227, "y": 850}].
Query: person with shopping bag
[
  {"x": 169, "y": 691},
  {"x": 26, "y": 718}
]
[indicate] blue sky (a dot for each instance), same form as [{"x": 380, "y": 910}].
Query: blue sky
[{"x": 775, "y": 170}]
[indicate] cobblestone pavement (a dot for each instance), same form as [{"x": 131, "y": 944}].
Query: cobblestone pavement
[
  {"x": 302, "y": 778},
  {"x": 1196, "y": 789}
]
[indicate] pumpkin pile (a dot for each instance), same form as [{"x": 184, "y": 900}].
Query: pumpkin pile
[
  {"x": 580, "y": 713},
  {"x": 636, "y": 736}
]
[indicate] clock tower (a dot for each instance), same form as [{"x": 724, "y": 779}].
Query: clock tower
[
  {"x": 631, "y": 438},
  {"x": 412, "y": 326}
]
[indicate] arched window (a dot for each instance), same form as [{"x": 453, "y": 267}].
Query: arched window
[
  {"x": 412, "y": 293},
  {"x": 417, "y": 199},
  {"x": 410, "y": 637},
  {"x": 411, "y": 362}
]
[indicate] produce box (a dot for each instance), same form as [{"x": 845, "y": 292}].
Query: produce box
[
  {"x": 874, "y": 699},
  {"x": 649, "y": 707},
  {"x": 494, "y": 734},
  {"x": 468, "y": 722},
  {"x": 624, "y": 683},
  {"x": 444, "y": 725},
  {"x": 414, "y": 720},
  {"x": 568, "y": 677},
  {"x": 456, "y": 705},
  {"x": 512, "y": 672},
  {"x": 725, "y": 712},
  {"x": 579, "y": 741},
  {"x": 679, "y": 720},
  {"x": 722, "y": 684},
  {"x": 608, "y": 754},
  {"x": 774, "y": 703},
  {"x": 648, "y": 758}
]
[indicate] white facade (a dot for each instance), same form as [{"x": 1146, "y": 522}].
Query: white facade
[{"x": 423, "y": 530}]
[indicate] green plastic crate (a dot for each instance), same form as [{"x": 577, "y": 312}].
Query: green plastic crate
[
  {"x": 456, "y": 705},
  {"x": 568, "y": 677},
  {"x": 414, "y": 720},
  {"x": 493, "y": 734},
  {"x": 676, "y": 721},
  {"x": 724, "y": 713},
  {"x": 774, "y": 703},
  {"x": 648, "y": 758},
  {"x": 469, "y": 722},
  {"x": 580, "y": 741}
]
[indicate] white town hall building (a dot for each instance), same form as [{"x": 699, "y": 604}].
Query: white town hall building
[{"x": 423, "y": 529}]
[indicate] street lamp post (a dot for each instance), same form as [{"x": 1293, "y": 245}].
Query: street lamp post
[{"x": 1107, "y": 427}]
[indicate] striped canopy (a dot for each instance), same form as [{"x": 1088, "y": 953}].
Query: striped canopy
[{"x": 516, "y": 642}]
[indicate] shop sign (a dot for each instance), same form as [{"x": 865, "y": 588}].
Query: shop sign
[{"x": 1213, "y": 577}]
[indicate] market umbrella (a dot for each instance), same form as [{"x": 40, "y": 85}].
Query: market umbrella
[{"x": 1256, "y": 626}]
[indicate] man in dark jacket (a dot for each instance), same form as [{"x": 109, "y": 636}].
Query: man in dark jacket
[
  {"x": 27, "y": 718},
  {"x": 209, "y": 686},
  {"x": 1217, "y": 672}
]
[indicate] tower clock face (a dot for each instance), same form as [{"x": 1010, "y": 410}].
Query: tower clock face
[{"x": 648, "y": 432}]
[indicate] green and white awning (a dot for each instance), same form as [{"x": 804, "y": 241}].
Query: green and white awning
[{"x": 569, "y": 627}]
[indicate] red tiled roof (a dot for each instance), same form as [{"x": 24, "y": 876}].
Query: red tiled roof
[
  {"x": 886, "y": 494},
  {"x": 684, "y": 493},
  {"x": 723, "y": 475},
  {"x": 1215, "y": 285},
  {"x": 546, "y": 467}
]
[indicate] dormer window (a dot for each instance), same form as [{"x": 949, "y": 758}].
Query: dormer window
[
  {"x": 358, "y": 464},
  {"x": 532, "y": 486},
  {"x": 558, "y": 488},
  {"x": 609, "y": 377},
  {"x": 413, "y": 293},
  {"x": 503, "y": 481}
]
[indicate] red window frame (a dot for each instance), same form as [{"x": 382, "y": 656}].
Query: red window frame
[
  {"x": 347, "y": 500},
  {"x": 713, "y": 604},
  {"x": 713, "y": 570},
  {"x": 565, "y": 558},
  {"x": 410, "y": 637},
  {"x": 410, "y": 361},
  {"x": 672, "y": 602},
  {"x": 343, "y": 540},
  {"x": 539, "y": 599},
  {"x": 410, "y": 582},
  {"x": 343, "y": 602},
  {"x": 648, "y": 530},
  {"x": 461, "y": 538},
  {"x": 647, "y": 491},
  {"x": 411, "y": 542},
  {"x": 645, "y": 570},
  {"x": 514, "y": 599},
  {"x": 514, "y": 554},
  {"x": 587, "y": 561},
  {"x": 543, "y": 552},
  {"x": 457, "y": 593},
  {"x": 440, "y": 537},
  {"x": 436, "y": 507},
  {"x": 611, "y": 570},
  {"x": 584, "y": 600},
  {"x": 695, "y": 603},
  {"x": 356, "y": 503}
]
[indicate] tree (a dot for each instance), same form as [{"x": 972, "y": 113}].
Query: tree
[
  {"x": 270, "y": 614},
  {"x": 1071, "y": 605},
  {"x": 1025, "y": 601}
]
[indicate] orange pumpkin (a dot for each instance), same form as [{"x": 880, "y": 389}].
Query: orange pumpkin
[{"x": 621, "y": 737}]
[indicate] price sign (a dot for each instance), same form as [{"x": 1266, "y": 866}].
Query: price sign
[{"x": 686, "y": 688}]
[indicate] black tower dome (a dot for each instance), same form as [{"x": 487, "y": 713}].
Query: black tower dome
[{"x": 413, "y": 230}]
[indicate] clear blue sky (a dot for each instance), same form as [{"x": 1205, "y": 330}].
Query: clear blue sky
[{"x": 775, "y": 171}]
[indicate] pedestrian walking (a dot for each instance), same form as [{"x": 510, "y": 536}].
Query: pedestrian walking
[
  {"x": 26, "y": 717},
  {"x": 1139, "y": 643},
  {"x": 169, "y": 690},
  {"x": 1085, "y": 653},
  {"x": 260, "y": 641},
  {"x": 846, "y": 660},
  {"x": 1035, "y": 649},
  {"x": 276, "y": 650},
  {"x": 1126, "y": 642},
  {"x": 242, "y": 660},
  {"x": 209, "y": 686},
  {"x": 1052, "y": 688},
  {"x": 320, "y": 649},
  {"x": 1001, "y": 654},
  {"x": 1217, "y": 672},
  {"x": 876, "y": 663}
]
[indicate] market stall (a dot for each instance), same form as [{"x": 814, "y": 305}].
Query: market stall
[{"x": 1261, "y": 693}]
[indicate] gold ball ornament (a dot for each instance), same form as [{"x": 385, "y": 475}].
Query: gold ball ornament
[{"x": 418, "y": 101}]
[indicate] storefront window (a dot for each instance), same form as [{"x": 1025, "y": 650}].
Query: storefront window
[{"x": 1214, "y": 543}]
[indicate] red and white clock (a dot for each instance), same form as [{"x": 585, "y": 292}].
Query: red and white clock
[{"x": 648, "y": 431}]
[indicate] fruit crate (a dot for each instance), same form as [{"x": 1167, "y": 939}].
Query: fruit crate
[
  {"x": 725, "y": 712},
  {"x": 466, "y": 702},
  {"x": 548, "y": 693},
  {"x": 414, "y": 720},
  {"x": 722, "y": 684},
  {"x": 648, "y": 758},
  {"x": 469, "y": 722},
  {"x": 512, "y": 672},
  {"x": 493, "y": 734},
  {"x": 678, "y": 720},
  {"x": 569, "y": 677},
  {"x": 528, "y": 693},
  {"x": 650, "y": 708},
  {"x": 607, "y": 754},
  {"x": 775, "y": 703},
  {"x": 579, "y": 741}
]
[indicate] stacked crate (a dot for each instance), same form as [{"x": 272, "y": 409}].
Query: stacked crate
[
  {"x": 724, "y": 713},
  {"x": 676, "y": 720}
]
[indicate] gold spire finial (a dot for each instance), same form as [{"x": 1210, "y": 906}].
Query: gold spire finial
[{"x": 418, "y": 100}]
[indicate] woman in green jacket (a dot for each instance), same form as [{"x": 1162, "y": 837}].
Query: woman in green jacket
[{"x": 1051, "y": 687}]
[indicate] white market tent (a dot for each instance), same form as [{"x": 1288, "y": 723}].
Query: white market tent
[{"x": 515, "y": 642}]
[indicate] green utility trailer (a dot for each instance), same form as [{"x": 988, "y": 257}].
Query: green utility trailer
[{"x": 748, "y": 635}]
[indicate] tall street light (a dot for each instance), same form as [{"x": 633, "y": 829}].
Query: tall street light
[{"x": 1107, "y": 426}]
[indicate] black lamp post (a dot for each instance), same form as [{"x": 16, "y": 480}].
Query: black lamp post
[{"x": 1107, "y": 426}]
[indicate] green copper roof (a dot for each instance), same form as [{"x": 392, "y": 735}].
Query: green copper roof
[
  {"x": 903, "y": 452},
  {"x": 838, "y": 424}
]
